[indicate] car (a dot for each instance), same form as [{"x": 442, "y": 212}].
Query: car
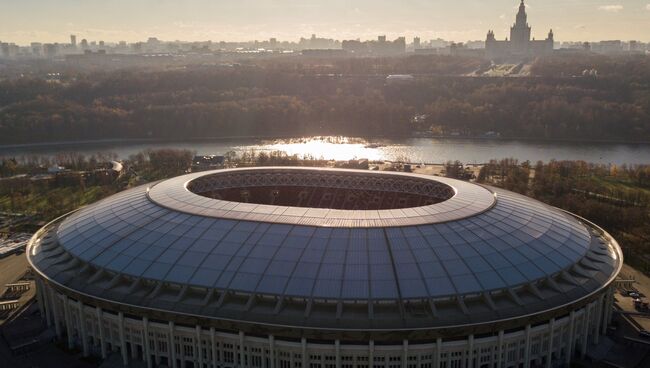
[{"x": 633, "y": 294}]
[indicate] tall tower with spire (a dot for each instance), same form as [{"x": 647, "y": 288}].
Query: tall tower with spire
[
  {"x": 519, "y": 46},
  {"x": 520, "y": 31}
]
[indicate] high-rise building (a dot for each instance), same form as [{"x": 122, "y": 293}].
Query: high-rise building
[
  {"x": 416, "y": 43},
  {"x": 8, "y": 50},
  {"x": 520, "y": 43},
  {"x": 520, "y": 31},
  {"x": 37, "y": 49},
  {"x": 73, "y": 40},
  {"x": 51, "y": 49}
]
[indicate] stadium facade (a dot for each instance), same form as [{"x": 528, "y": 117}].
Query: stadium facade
[{"x": 303, "y": 267}]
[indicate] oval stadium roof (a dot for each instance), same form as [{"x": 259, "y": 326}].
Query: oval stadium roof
[{"x": 479, "y": 241}]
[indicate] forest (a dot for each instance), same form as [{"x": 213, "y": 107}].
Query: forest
[{"x": 349, "y": 96}]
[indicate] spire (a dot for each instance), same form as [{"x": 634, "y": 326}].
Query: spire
[{"x": 522, "y": 18}]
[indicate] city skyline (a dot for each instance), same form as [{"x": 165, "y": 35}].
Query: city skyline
[{"x": 201, "y": 20}]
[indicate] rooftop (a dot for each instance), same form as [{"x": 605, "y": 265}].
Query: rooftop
[{"x": 491, "y": 255}]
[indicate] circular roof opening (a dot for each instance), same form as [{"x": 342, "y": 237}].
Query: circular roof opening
[
  {"x": 322, "y": 197},
  {"x": 322, "y": 189}
]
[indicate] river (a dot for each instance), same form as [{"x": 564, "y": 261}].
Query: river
[{"x": 428, "y": 150}]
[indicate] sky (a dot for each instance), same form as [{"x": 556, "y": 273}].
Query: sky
[{"x": 25, "y": 21}]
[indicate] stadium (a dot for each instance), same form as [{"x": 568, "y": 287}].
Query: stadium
[{"x": 303, "y": 267}]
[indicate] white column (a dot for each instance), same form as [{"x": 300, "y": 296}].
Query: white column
[
  {"x": 146, "y": 351},
  {"x": 551, "y": 327},
  {"x": 599, "y": 318},
  {"x": 68, "y": 322},
  {"x": 110, "y": 334},
  {"x": 264, "y": 359},
  {"x": 94, "y": 327},
  {"x": 47, "y": 298},
  {"x": 40, "y": 298},
  {"x": 610, "y": 305},
  {"x": 102, "y": 338},
  {"x": 405, "y": 353},
  {"x": 436, "y": 356},
  {"x": 493, "y": 353},
  {"x": 82, "y": 328},
  {"x": 500, "y": 350},
  {"x": 527, "y": 348},
  {"x": 134, "y": 350},
  {"x": 199, "y": 346},
  {"x": 603, "y": 313},
  {"x": 172, "y": 346},
  {"x": 303, "y": 348},
  {"x": 125, "y": 358},
  {"x": 371, "y": 353},
  {"x": 585, "y": 330},
  {"x": 337, "y": 349},
  {"x": 241, "y": 350},
  {"x": 608, "y": 308},
  {"x": 271, "y": 351},
  {"x": 249, "y": 355},
  {"x": 55, "y": 312},
  {"x": 569, "y": 346},
  {"x": 470, "y": 353},
  {"x": 154, "y": 349},
  {"x": 213, "y": 347}
]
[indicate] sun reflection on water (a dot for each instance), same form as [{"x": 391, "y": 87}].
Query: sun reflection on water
[{"x": 329, "y": 148}]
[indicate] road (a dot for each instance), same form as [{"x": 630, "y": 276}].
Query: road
[
  {"x": 642, "y": 284},
  {"x": 12, "y": 268}
]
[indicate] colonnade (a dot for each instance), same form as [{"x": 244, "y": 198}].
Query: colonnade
[{"x": 100, "y": 332}]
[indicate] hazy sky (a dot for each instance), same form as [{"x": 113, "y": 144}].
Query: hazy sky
[{"x": 23, "y": 21}]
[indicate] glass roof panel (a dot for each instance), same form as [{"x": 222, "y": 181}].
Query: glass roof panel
[
  {"x": 440, "y": 286},
  {"x": 514, "y": 242}
]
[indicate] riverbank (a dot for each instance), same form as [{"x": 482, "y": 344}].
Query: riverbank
[
  {"x": 430, "y": 150},
  {"x": 368, "y": 138}
]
